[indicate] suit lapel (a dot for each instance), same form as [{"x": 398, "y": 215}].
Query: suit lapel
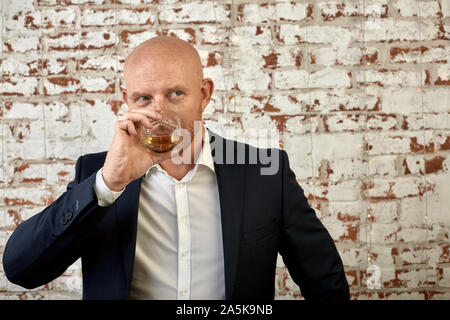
[
  {"x": 231, "y": 182},
  {"x": 127, "y": 206}
]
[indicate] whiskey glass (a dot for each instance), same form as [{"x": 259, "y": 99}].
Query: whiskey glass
[{"x": 163, "y": 135}]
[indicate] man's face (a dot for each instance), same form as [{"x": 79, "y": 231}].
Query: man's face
[{"x": 164, "y": 80}]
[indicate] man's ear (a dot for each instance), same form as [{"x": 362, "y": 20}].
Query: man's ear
[
  {"x": 125, "y": 97},
  {"x": 207, "y": 90}
]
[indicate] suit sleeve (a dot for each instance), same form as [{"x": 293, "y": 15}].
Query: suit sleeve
[
  {"x": 307, "y": 248},
  {"x": 41, "y": 248}
]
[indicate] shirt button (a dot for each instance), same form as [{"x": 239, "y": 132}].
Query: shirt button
[{"x": 183, "y": 292}]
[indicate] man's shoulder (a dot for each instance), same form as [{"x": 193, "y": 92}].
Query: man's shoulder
[
  {"x": 94, "y": 157},
  {"x": 90, "y": 163}
]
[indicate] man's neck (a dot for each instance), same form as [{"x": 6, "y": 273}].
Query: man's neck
[{"x": 178, "y": 171}]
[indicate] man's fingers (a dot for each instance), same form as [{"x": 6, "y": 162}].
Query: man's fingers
[
  {"x": 153, "y": 114},
  {"x": 138, "y": 119},
  {"x": 127, "y": 126}
]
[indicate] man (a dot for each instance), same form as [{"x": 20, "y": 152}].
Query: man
[{"x": 148, "y": 227}]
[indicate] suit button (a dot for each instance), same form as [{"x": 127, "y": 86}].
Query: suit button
[
  {"x": 63, "y": 220},
  {"x": 69, "y": 215}
]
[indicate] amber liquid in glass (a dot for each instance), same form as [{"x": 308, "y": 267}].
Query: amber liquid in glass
[{"x": 161, "y": 144}]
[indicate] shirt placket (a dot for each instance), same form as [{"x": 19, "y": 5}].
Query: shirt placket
[{"x": 184, "y": 242}]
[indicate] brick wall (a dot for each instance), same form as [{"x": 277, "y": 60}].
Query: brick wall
[{"x": 357, "y": 90}]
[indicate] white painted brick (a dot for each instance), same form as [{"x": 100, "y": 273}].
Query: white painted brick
[
  {"x": 339, "y": 145},
  {"x": 60, "y": 173},
  {"x": 291, "y": 79},
  {"x": 392, "y": 29},
  {"x": 61, "y": 85},
  {"x": 417, "y": 254},
  {"x": 26, "y": 150},
  {"x": 96, "y": 84},
  {"x": 256, "y": 13},
  {"x": 56, "y": 18},
  {"x": 331, "y": 9},
  {"x": 98, "y": 39},
  {"x": 444, "y": 281},
  {"x": 329, "y": 78},
  {"x": 297, "y": 146},
  {"x": 68, "y": 150},
  {"x": 381, "y": 256},
  {"x": 436, "y": 121},
  {"x": 344, "y": 122},
  {"x": 445, "y": 9},
  {"x": 91, "y": 110},
  {"x": 65, "y": 40},
  {"x": 399, "y": 188},
  {"x": 212, "y": 34},
  {"x": 351, "y": 257},
  {"x": 97, "y": 135},
  {"x": 23, "y": 86},
  {"x": 287, "y": 10},
  {"x": 24, "y": 196},
  {"x": 339, "y": 191},
  {"x": 421, "y": 55},
  {"x": 55, "y": 110},
  {"x": 415, "y": 164},
  {"x": 21, "y": 16},
  {"x": 330, "y": 56},
  {"x": 217, "y": 75},
  {"x": 25, "y": 130},
  {"x": 21, "y": 64},
  {"x": 195, "y": 11},
  {"x": 251, "y": 35},
  {"x": 256, "y": 80},
  {"x": 401, "y": 100},
  {"x": 133, "y": 39},
  {"x": 383, "y": 211},
  {"x": 22, "y": 41},
  {"x": 439, "y": 202},
  {"x": 417, "y": 234},
  {"x": 184, "y": 34},
  {"x": 412, "y": 8},
  {"x": 382, "y": 166},
  {"x": 393, "y": 143},
  {"x": 63, "y": 129},
  {"x": 443, "y": 72},
  {"x": 345, "y": 168},
  {"x": 392, "y": 78},
  {"x": 345, "y": 211},
  {"x": 382, "y": 233},
  {"x": 301, "y": 124},
  {"x": 23, "y": 110},
  {"x": 93, "y": 17},
  {"x": 337, "y": 36}
]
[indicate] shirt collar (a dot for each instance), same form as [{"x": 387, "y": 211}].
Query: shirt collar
[{"x": 204, "y": 159}]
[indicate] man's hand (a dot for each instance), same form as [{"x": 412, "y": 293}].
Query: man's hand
[{"x": 128, "y": 158}]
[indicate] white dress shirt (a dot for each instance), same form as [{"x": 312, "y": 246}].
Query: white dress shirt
[{"x": 179, "y": 248}]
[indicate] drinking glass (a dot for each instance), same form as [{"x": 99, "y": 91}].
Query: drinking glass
[{"x": 163, "y": 135}]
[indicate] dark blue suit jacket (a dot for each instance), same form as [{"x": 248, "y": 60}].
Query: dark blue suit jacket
[{"x": 261, "y": 216}]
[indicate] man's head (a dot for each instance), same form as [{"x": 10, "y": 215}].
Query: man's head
[{"x": 166, "y": 72}]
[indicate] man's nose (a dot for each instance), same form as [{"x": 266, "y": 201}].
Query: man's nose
[{"x": 159, "y": 103}]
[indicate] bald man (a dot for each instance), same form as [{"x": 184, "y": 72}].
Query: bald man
[{"x": 149, "y": 227}]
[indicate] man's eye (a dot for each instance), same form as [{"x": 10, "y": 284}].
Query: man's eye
[
  {"x": 144, "y": 98},
  {"x": 178, "y": 93}
]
